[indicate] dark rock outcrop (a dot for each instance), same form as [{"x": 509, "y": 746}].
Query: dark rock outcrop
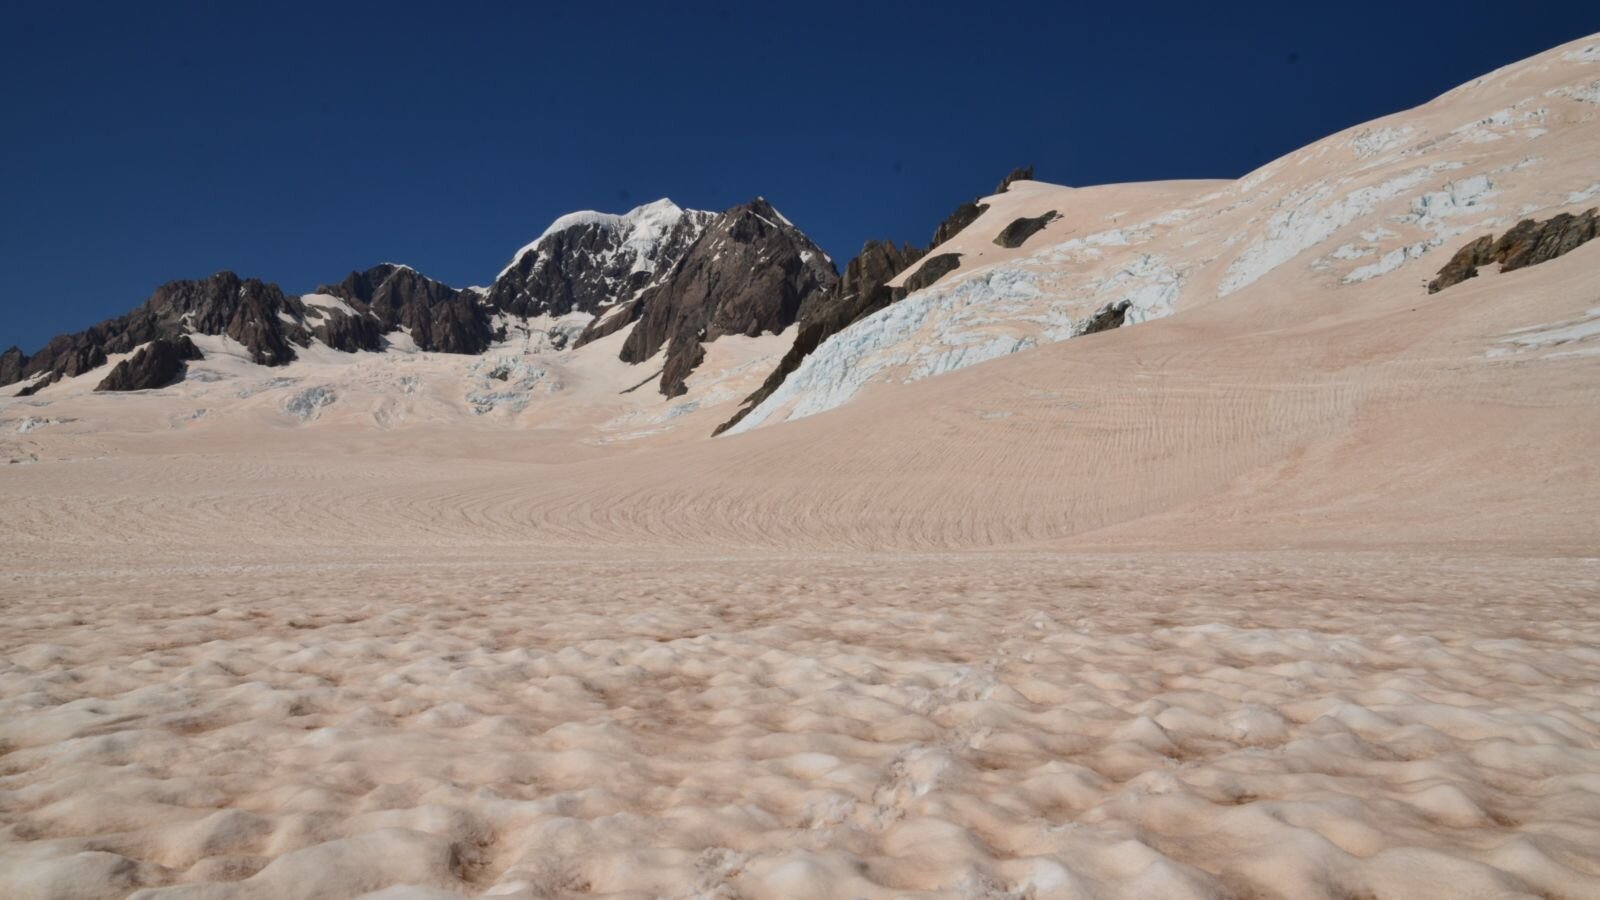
[
  {"x": 254, "y": 313},
  {"x": 608, "y": 322},
  {"x": 589, "y": 260},
  {"x": 932, "y": 269},
  {"x": 156, "y": 364},
  {"x": 957, "y": 222},
  {"x": 756, "y": 278},
  {"x": 1110, "y": 316},
  {"x": 11, "y": 363},
  {"x": 1528, "y": 243},
  {"x": 750, "y": 272},
  {"x": 1024, "y": 173},
  {"x": 388, "y": 297},
  {"x": 343, "y": 331},
  {"x": 37, "y": 386},
  {"x": 352, "y": 315},
  {"x": 864, "y": 290},
  {"x": 875, "y": 266},
  {"x": 1022, "y": 228}
]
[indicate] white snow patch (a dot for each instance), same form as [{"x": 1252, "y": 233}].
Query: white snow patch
[
  {"x": 1583, "y": 93},
  {"x": 960, "y": 357},
  {"x": 1149, "y": 286},
  {"x": 328, "y": 301},
  {"x": 308, "y": 404},
  {"x": 1538, "y": 337},
  {"x": 1428, "y": 212},
  {"x": 1350, "y": 251},
  {"x": 33, "y": 423},
  {"x": 832, "y": 375},
  {"x": 1368, "y": 144},
  {"x": 642, "y": 227},
  {"x": 1466, "y": 195},
  {"x": 1309, "y": 220},
  {"x": 1387, "y": 263},
  {"x": 1587, "y": 193},
  {"x": 1498, "y": 124}
]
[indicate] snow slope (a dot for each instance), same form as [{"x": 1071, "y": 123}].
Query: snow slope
[
  {"x": 1290, "y": 593},
  {"x": 1377, "y": 201}
]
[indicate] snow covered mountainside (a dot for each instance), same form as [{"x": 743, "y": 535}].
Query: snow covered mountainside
[
  {"x": 662, "y": 319},
  {"x": 1380, "y": 206},
  {"x": 587, "y": 261}
]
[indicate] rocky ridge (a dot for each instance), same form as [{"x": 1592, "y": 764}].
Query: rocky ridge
[
  {"x": 865, "y": 289},
  {"x": 678, "y": 278},
  {"x": 1528, "y": 243},
  {"x": 750, "y": 272},
  {"x": 258, "y": 315},
  {"x": 587, "y": 262},
  {"x": 156, "y": 364}
]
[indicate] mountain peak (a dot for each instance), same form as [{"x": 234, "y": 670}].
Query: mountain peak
[
  {"x": 585, "y": 260},
  {"x": 651, "y": 218},
  {"x": 750, "y": 273}
]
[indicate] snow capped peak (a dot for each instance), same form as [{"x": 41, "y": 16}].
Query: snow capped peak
[
  {"x": 764, "y": 203},
  {"x": 586, "y": 260},
  {"x": 641, "y": 227}
]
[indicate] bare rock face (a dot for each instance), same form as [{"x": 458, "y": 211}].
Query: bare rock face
[
  {"x": 1528, "y": 243},
  {"x": 343, "y": 331},
  {"x": 588, "y": 260},
  {"x": 11, "y": 363},
  {"x": 390, "y": 297},
  {"x": 1017, "y": 233},
  {"x": 932, "y": 269},
  {"x": 956, "y": 222},
  {"x": 875, "y": 266},
  {"x": 270, "y": 325},
  {"x": 246, "y": 310},
  {"x": 610, "y": 320},
  {"x": 254, "y": 313},
  {"x": 1110, "y": 316},
  {"x": 862, "y": 291},
  {"x": 750, "y": 272},
  {"x": 1025, "y": 173},
  {"x": 156, "y": 364}
]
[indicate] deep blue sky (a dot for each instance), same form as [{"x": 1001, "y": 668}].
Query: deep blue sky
[{"x": 152, "y": 141}]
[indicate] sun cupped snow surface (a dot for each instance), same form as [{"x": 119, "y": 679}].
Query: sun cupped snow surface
[{"x": 1134, "y": 731}]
